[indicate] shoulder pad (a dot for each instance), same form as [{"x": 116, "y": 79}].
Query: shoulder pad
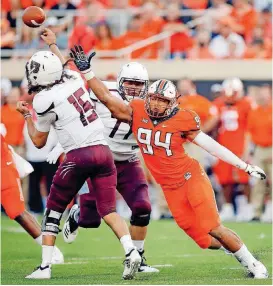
[{"x": 43, "y": 103}]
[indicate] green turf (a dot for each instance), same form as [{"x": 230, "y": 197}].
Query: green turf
[{"x": 96, "y": 257}]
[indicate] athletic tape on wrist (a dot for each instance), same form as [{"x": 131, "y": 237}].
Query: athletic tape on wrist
[
  {"x": 89, "y": 75},
  {"x": 52, "y": 44},
  {"x": 27, "y": 115}
]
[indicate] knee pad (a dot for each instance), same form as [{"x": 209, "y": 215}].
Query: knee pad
[
  {"x": 140, "y": 219},
  {"x": 91, "y": 223},
  {"x": 141, "y": 213},
  {"x": 51, "y": 222},
  {"x": 89, "y": 216}
]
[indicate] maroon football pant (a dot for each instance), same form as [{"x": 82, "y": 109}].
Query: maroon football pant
[{"x": 131, "y": 184}]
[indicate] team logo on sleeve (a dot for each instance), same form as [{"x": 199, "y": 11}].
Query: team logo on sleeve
[
  {"x": 187, "y": 176},
  {"x": 197, "y": 120}
]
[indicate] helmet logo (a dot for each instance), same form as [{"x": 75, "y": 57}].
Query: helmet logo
[
  {"x": 161, "y": 86},
  {"x": 34, "y": 67}
]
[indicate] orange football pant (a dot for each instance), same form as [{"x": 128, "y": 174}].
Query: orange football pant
[
  {"x": 11, "y": 192},
  {"x": 193, "y": 207}
]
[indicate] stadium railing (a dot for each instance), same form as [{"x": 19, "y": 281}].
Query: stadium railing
[{"x": 124, "y": 52}]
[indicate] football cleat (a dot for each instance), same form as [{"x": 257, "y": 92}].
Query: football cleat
[
  {"x": 57, "y": 256},
  {"x": 131, "y": 264},
  {"x": 258, "y": 270},
  {"x": 40, "y": 273},
  {"x": 144, "y": 268},
  {"x": 70, "y": 228}
]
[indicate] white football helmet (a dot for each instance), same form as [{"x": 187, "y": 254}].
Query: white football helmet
[
  {"x": 134, "y": 72},
  {"x": 43, "y": 68},
  {"x": 233, "y": 87},
  {"x": 162, "y": 89}
]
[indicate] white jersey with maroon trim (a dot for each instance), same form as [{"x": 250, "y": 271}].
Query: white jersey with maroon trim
[
  {"x": 68, "y": 108},
  {"x": 118, "y": 134}
]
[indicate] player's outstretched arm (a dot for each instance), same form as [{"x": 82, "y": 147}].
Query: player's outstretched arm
[
  {"x": 50, "y": 39},
  {"x": 38, "y": 138},
  {"x": 221, "y": 152},
  {"x": 116, "y": 106}
]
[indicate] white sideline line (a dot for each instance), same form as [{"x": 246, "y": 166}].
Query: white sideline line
[
  {"x": 162, "y": 265},
  {"x": 73, "y": 262},
  {"x": 121, "y": 257}
]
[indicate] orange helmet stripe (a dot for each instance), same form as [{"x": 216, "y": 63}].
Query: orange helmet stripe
[{"x": 161, "y": 86}]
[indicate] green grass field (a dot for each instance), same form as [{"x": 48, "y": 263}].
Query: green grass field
[{"x": 96, "y": 257}]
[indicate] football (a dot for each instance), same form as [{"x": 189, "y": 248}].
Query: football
[{"x": 33, "y": 16}]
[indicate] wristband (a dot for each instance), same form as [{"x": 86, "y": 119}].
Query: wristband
[
  {"x": 26, "y": 115},
  {"x": 52, "y": 44},
  {"x": 88, "y": 75}
]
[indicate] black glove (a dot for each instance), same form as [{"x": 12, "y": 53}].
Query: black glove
[{"x": 82, "y": 62}]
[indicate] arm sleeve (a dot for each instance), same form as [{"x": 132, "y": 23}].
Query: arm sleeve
[
  {"x": 45, "y": 121},
  {"x": 219, "y": 151}
]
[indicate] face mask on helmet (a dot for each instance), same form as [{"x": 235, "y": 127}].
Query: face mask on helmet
[
  {"x": 158, "y": 106},
  {"x": 161, "y": 99},
  {"x": 133, "y": 81},
  {"x": 132, "y": 88}
]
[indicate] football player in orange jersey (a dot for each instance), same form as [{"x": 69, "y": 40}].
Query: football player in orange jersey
[
  {"x": 13, "y": 202},
  {"x": 233, "y": 110},
  {"x": 161, "y": 127}
]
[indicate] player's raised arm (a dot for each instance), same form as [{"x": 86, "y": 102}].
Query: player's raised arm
[
  {"x": 50, "y": 39},
  {"x": 116, "y": 106},
  {"x": 221, "y": 152}
]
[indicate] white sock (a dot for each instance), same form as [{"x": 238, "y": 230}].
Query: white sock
[
  {"x": 244, "y": 256},
  {"x": 47, "y": 252},
  {"x": 126, "y": 242},
  {"x": 222, "y": 248},
  {"x": 139, "y": 244},
  {"x": 39, "y": 239}
]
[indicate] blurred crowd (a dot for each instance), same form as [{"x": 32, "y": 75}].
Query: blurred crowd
[
  {"x": 241, "y": 120},
  {"x": 199, "y": 29}
]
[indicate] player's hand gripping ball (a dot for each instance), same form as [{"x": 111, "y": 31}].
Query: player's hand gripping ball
[{"x": 34, "y": 16}]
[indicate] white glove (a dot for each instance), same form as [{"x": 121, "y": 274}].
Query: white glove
[
  {"x": 55, "y": 153},
  {"x": 255, "y": 171}
]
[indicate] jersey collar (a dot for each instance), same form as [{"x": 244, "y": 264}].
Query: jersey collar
[{"x": 157, "y": 121}]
